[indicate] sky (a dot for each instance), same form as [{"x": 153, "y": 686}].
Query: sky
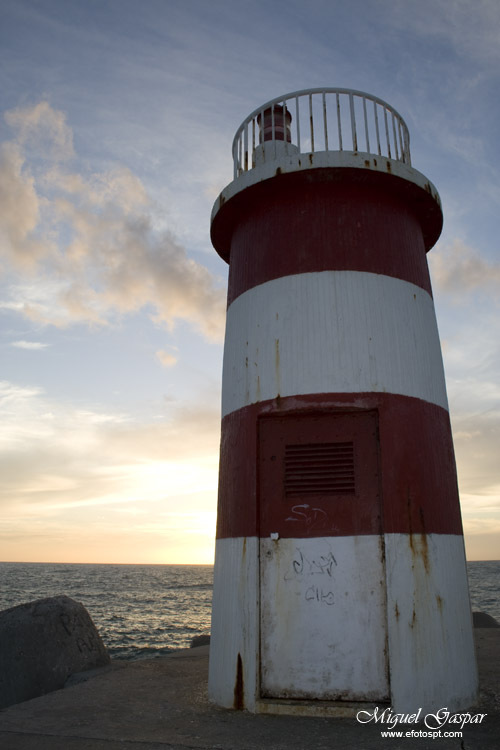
[{"x": 116, "y": 124}]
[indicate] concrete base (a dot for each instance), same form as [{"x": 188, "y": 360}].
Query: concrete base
[
  {"x": 162, "y": 704},
  {"x": 318, "y": 709}
]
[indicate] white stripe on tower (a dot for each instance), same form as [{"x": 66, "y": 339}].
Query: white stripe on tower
[{"x": 332, "y": 332}]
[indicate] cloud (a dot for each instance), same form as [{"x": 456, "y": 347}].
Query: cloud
[
  {"x": 31, "y": 345},
  {"x": 475, "y": 526},
  {"x": 481, "y": 538},
  {"x": 19, "y": 211},
  {"x": 476, "y": 438},
  {"x": 470, "y": 26},
  {"x": 88, "y": 484},
  {"x": 89, "y": 241},
  {"x": 55, "y": 455},
  {"x": 166, "y": 359},
  {"x": 459, "y": 269},
  {"x": 43, "y": 128}
]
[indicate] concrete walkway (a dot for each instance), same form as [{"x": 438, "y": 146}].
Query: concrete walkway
[{"x": 161, "y": 704}]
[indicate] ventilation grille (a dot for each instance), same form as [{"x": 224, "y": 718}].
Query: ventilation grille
[{"x": 319, "y": 469}]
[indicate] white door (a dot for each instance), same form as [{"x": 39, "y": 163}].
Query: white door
[{"x": 322, "y": 578}]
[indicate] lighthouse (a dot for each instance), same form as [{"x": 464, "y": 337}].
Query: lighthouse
[{"x": 340, "y": 576}]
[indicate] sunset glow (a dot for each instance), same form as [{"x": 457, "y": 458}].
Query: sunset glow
[{"x": 115, "y": 139}]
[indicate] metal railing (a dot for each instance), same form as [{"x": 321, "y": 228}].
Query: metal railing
[{"x": 327, "y": 119}]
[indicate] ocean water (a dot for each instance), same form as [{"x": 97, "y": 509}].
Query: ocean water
[
  {"x": 484, "y": 587},
  {"x": 140, "y": 611},
  {"x": 144, "y": 611}
]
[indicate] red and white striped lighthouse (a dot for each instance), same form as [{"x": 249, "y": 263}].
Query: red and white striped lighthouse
[{"x": 340, "y": 570}]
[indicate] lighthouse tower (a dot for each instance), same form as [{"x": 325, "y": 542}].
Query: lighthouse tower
[{"x": 340, "y": 572}]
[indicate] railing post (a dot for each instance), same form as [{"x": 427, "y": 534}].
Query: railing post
[
  {"x": 387, "y": 133},
  {"x": 339, "y": 122},
  {"x": 253, "y": 142},
  {"x": 353, "y": 123},
  {"x": 311, "y": 123},
  {"x": 366, "y": 125},
  {"x": 245, "y": 147},
  {"x": 325, "y": 123},
  {"x": 394, "y": 134},
  {"x": 375, "y": 110},
  {"x": 297, "y": 120}
]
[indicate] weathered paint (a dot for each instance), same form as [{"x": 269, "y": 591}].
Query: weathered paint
[
  {"x": 431, "y": 647},
  {"x": 322, "y": 510},
  {"x": 337, "y": 332},
  {"x": 323, "y": 619},
  {"x": 300, "y": 170},
  {"x": 429, "y": 650},
  {"x": 413, "y": 501},
  {"x": 318, "y": 224},
  {"x": 234, "y": 641},
  {"x": 330, "y": 326}
]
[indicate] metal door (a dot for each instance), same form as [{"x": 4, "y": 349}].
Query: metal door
[{"x": 323, "y": 624}]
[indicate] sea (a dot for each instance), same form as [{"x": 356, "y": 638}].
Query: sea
[
  {"x": 145, "y": 611},
  {"x": 140, "y": 611}
]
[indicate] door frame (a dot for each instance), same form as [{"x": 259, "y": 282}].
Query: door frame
[{"x": 326, "y": 414}]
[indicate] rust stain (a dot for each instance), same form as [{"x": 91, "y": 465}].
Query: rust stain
[
  {"x": 277, "y": 365},
  {"x": 388, "y": 166},
  {"x": 424, "y": 544},
  {"x": 424, "y": 551},
  {"x": 367, "y": 163},
  {"x": 418, "y": 541},
  {"x": 439, "y": 603},
  {"x": 410, "y": 524},
  {"x": 413, "y": 619},
  {"x": 396, "y": 611},
  {"x": 238, "y": 686},
  {"x": 310, "y": 159},
  {"x": 386, "y": 657},
  {"x": 381, "y": 546},
  {"x": 419, "y": 549}
]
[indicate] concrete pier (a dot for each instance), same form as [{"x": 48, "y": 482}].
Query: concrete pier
[{"x": 162, "y": 704}]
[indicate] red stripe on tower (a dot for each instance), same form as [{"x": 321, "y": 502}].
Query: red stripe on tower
[{"x": 339, "y": 539}]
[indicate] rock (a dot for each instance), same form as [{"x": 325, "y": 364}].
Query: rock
[
  {"x": 199, "y": 640},
  {"x": 42, "y": 643},
  {"x": 482, "y": 620}
]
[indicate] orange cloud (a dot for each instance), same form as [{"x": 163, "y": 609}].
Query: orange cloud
[{"x": 89, "y": 240}]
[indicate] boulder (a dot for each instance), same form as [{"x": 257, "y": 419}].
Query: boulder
[
  {"x": 199, "y": 640},
  {"x": 483, "y": 620},
  {"x": 42, "y": 643}
]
